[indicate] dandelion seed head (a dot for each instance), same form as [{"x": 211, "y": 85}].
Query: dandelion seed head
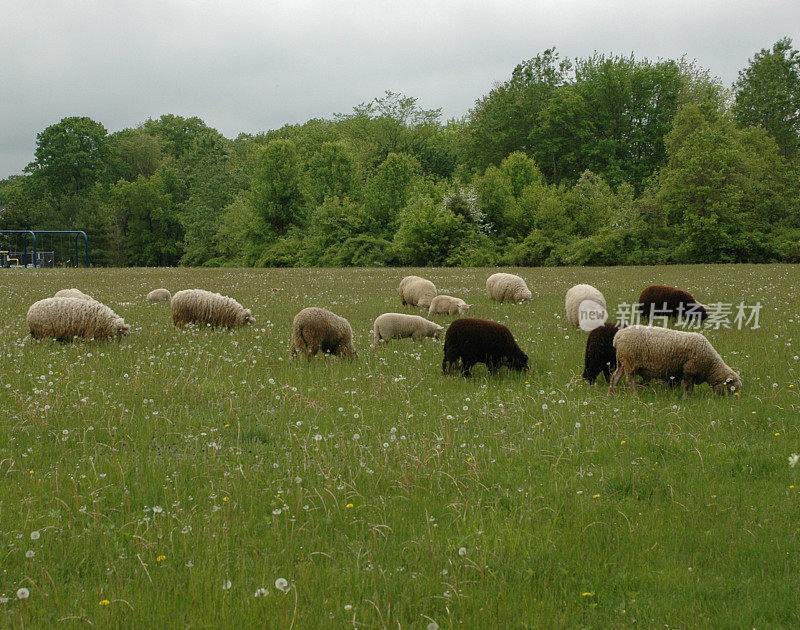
[{"x": 282, "y": 585}]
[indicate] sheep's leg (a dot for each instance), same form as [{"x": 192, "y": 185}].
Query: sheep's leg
[
  {"x": 466, "y": 368},
  {"x": 630, "y": 378},
  {"x": 615, "y": 379},
  {"x": 688, "y": 386}
]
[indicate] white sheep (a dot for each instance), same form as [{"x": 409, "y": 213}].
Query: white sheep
[
  {"x": 578, "y": 294},
  {"x": 668, "y": 354},
  {"x": 159, "y": 295},
  {"x": 506, "y": 287},
  {"x": 73, "y": 293},
  {"x": 416, "y": 291},
  {"x": 400, "y": 326},
  {"x": 448, "y": 305},
  {"x": 205, "y": 307},
  {"x": 315, "y": 329},
  {"x": 65, "y": 318}
]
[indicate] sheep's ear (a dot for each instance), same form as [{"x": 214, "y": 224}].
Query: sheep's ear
[{"x": 469, "y": 306}]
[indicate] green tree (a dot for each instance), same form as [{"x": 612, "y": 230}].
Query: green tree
[
  {"x": 501, "y": 122},
  {"x": 611, "y": 120},
  {"x": 276, "y": 187},
  {"x": 429, "y": 235},
  {"x": 388, "y": 192},
  {"x": 723, "y": 188},
  {"x": 767, "y": 94},
  {"x": 331, "y": 172},
  {"x": 70, "y": 155},
  {"x": 147, "y": 221},
  {"x": 132, "y": 153}
]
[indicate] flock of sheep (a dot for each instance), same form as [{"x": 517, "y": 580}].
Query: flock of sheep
[{"x": 613, "y": 350}]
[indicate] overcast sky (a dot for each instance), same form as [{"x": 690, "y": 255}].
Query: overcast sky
[{"x": 254, "y": 66}]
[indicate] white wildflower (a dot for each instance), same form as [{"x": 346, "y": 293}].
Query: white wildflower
[{"x": 282, "y": 585}]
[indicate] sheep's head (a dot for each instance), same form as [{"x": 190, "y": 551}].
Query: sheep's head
[
  {"x": 247, "y": 317},
  {"x": 518, "y": 361},
  {"x": 121, "y": 328},
  {"x": 437, "y": 333},
  {"x": 522, "y": 294},
  {"x": 697, "y": 310},
  {"x": 463, "y": 308},
  {"x": 731, "y": 385}
]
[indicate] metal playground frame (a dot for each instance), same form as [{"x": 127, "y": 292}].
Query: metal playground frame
[{"x": 33, "y": 233}]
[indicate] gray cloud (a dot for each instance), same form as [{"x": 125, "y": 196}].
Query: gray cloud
[{"x": 253, "y": 66}]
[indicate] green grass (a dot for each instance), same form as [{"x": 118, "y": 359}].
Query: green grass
[{"x": 666, "y": 512}]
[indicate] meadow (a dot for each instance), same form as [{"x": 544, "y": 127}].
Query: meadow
[{"x": 171, "y": 479}]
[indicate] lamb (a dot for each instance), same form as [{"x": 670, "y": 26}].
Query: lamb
[
  {"x": 600, "y": 357},
  {"x": 159, "y": 295},
  {"x": 578, "y": 294},
  {"x": 400, "y": 326},
  {"x": 205, "y": 307},
  {"x": 65, "y": 318},
  {"x": 316, "y": 329},
  {"x": 416, "y": 291},
  {"x": 504, "y": 287},
  {"x": 660, "y": 299},
  {"x": 665, "y": 353},
  {"x": 469, "y": 341},
  {"x": 73, "y": 293},
  {"x": 448, "y": 305}
]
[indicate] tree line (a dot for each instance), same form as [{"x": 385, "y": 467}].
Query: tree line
[{"x": 600, "y": 161}]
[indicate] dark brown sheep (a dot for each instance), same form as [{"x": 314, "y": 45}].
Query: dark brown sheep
[
  {"x": 659, "y": 299},
  {"x": 469, "y": 341},
  {"x": 601, "y": 357}
]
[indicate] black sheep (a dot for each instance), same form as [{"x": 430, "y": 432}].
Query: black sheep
[
  {"x": 601, "y": 356},
  {"x": 660, "y": 299},
  {"x": 470, "y": 341}
]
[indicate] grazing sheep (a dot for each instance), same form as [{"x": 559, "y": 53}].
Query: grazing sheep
[
  {"x": 578, "y": 294},
  {"x": 64, "y": 318},
  {"x": 660, "y": 299},
  {"x": 416, "y": 291},
  {"x": 656, "y": 352},
  {"x": 316, "y": 329},
  {"x": 159, "y": 295},
  {"x": 600, "y": 357},
  {"x": 448, "y": 305},
  {"x": 506, "y": 287},
  {"x": 399, "y": 326},
  {"x": 73, "y": 293},
  {"x": 470, "y": 341},
  {"x": 205, "y": 307}
]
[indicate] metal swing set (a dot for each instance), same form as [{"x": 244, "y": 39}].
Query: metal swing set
[{"x": 34, "y": 258}]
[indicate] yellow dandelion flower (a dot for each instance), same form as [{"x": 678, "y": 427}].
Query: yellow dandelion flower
[
  {"x": 587, "y": 594},
  {"x": 777, "y": 433},
  {"x": 30, "y": 471},
  {"x": 104, "y": 602},
  {"x": 624, "y": 442},
  {"x": 348, "y": 506},
  {"x": 161, "y": 558},
  {"x": 225, "y": 499},
  {"x": 469, "y": 459},
  {"x": 791, "y": 487},
  {"x": 596, "y": 496}
]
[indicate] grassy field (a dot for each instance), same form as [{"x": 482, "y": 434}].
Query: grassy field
[{"x": 162, "y": 481}]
